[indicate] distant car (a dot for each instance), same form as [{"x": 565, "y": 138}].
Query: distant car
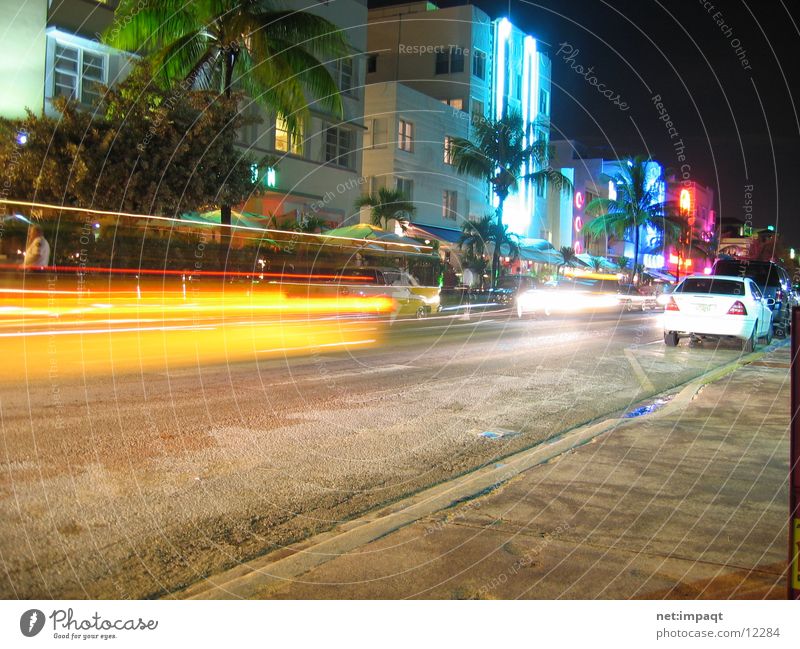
[
  {"x": 570, "y": 296},
  {"x": 718, "y": 306},
  {"x": 632, "y": 297},
  {"x": 403, "y": 288},
  {"x": 774, "y": 282}
]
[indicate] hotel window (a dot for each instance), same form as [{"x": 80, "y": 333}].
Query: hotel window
[
  {"x": 449, "y": 204},
  {"x": 457, "y": 103},
  {"x": 477, "y": 111},
  {"x": 286, "y": 140},
  {"x": 544, "y": 102},
  {"x": 406, "y": 187},
  {"x": 478, "y": 64},
  {"x": 450, "y": 62},
  {"x": 448, "y": 150},
  {"x": 405, "y": 135},
  {"x": 372, "y": 63},
  {"x": 378, "y": 132},
  {"x": 77, "y": 74},
  {"x": 339, "y": 146},
  {"x": 518, "y": 86},
  {"x": 345, "y": 72},
  {"x": 589, "y": 197}
]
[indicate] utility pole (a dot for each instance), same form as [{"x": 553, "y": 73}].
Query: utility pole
[{"x": 794, "y": 464}]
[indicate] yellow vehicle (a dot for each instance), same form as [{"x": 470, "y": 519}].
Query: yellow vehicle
[{"x": 411, "y": 298}]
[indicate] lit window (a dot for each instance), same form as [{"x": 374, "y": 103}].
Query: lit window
[
  {"x": 449, "y": 204},
  {"x": 457, "y": 103},
  {"x": 339, "y": 146},
  {"x": 448, "y": 150},
  {"x": 286, "y": 140},
  {"x": 405, "y": 135},
  {"x": 78, "y": 74}
]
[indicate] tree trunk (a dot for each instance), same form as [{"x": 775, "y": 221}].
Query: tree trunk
[
  {"x": 635, "y": 253},
  {"x": 496, "y": 253},
  {"x": 231, "y": 55}
]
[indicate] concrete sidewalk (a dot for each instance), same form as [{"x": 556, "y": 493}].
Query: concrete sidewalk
[{"x": 689, "y": 501}]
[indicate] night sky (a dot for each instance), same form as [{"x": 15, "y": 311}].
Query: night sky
[{"x": 739, "y": 126}]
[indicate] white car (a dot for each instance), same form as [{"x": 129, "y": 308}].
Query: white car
[{"x": 718, "y": 306}]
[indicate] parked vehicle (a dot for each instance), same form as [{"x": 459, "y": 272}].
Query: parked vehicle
[
  {"x": 510, "y": 286},
  {"x": 774, "y": 282},
  {"x": 718, "y": 306},
  {"x": 403, "y": 288}
]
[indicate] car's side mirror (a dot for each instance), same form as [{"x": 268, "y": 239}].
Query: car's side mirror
[{"x": 769, "y": 301}]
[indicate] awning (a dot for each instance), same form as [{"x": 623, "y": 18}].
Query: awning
[
  {"x": 604, "y": 263},
  {"x": 540, "y": 256},
  {"x": 663, "y": 275},
  {"x": 447, "y": 235}
]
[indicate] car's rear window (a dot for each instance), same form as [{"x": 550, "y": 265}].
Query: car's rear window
[
  {"x": 712, "y": 286},
  {"x": 763, "y": 274}
]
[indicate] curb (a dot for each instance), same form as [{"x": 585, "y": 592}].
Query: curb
[{"x": 256, "y": 578}]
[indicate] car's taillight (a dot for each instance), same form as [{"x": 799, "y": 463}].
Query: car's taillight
[
  {"x": 778, "y": 295},
  {"x": 672, "y": 305},
  {"x": 737, "y": 308}
]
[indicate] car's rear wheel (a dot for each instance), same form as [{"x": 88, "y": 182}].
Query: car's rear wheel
[
  {"x": 781, "y": 328},
  {"x": 671, "y": 338},
  {"x": 767, "y": 337},
  {"x": 421, "y": 313}
]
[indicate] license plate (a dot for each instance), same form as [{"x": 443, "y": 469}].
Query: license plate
[{"x": 704, "y": 308}]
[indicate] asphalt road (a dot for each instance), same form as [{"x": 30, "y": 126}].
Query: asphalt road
[{"x": 135, "y": 484}]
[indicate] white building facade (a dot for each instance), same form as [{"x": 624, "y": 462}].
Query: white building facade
[{"x": 452, "y": 66}]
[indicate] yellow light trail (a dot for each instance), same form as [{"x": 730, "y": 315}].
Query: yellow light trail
[{"x": 47, "y": 334}]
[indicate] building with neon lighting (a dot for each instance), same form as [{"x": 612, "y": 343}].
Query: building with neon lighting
[
  {"x": 431, "y": 73},
  {"x": 694, "y": 201}
]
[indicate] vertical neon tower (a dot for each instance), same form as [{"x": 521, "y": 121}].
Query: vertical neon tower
[{"x": 511, "y": 45}]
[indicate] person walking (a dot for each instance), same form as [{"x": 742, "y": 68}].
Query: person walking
[{"x": 37, "y": 250}]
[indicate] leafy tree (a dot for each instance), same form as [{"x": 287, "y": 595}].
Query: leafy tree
[
  {"x": 568, "y": 258},
  {"x": 141, "y": 151},
  {"x": 500, "y": 155},
  {"x": 275, "y": 56},
  {"x": 635, "y": 205},
  {"x": 385, "y": 205}
]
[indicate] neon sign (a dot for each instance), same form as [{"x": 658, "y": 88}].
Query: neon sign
[{"x": 579, "y": 200}]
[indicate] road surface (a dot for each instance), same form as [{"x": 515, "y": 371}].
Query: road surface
[{"x": 137, "y": 483}]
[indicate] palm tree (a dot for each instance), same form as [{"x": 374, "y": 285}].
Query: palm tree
[
  {"x": 478, "y": 236},
  {"x": 597, "y": 263},
  {"x": 475, "y": 236},
  {"x": 568, "y": 258},
  {"x": 502, "y": 155},
  {"x": 636, "y": 204},
  {"x": 276, "y": 56},
  {"x": 387, "y": 204}
]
